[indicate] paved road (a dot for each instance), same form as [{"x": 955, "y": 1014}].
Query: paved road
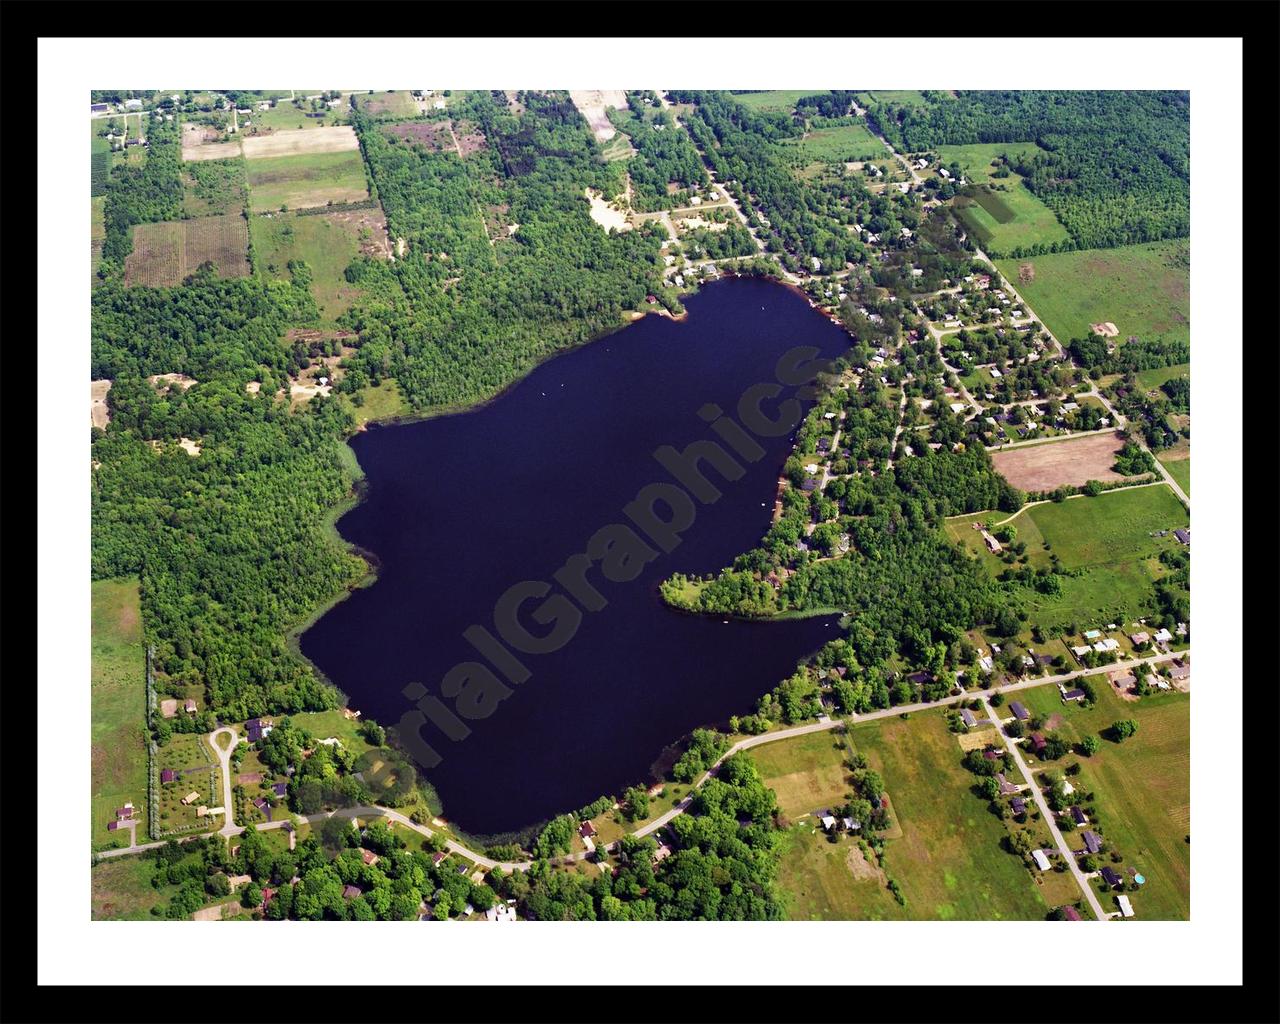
[
  {"x": 229, "y": 827},
  {"x": 745, "y": 744},
  {"x": 1047, "y": 815}
]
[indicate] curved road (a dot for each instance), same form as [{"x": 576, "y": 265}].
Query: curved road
[{"x": 231, "y": 829}]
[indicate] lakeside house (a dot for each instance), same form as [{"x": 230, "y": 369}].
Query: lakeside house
[{"x": 587, "y": 830}]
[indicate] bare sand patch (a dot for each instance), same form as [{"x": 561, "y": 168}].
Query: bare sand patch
[
  {"x": 99, "y": 414},
  {"x": 200, "y": 142},
  {"x": 592, "y": 104},
  {"x": 1070, "y": 463},
  {"x": 605, "y": 215},
  {"x": 337, "y": 138},
  {"x": 1107, "y": 329},
  {"x": 189, "y": 446},
  {"x": 861, "y": 868},
  {"x": 253, "y": 387},
  {"x": 180, "y": 380}
]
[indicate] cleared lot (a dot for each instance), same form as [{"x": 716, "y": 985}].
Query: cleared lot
[
  {"x": 334, "y": 139},
  {"x": 165, "y": 253},
  {"x": 592, "y": 103},
  {"x": 1042, "y": 467}
]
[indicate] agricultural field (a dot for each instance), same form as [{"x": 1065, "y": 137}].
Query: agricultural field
[
  {"x": 214, "y": 187},
  {"x": 593, "y": 105},
  {"x": 903, "y": 97},
  {"x": 117, "y": 709},
  {"x": 97, "y": 232},
  {"x": 949, "y": 860},
  {"x": 391, "y": 104},
  {"x": 1108, "y": 538},
  {"x": 845, "y": 144},
  {"x": 99, "y": 163},
  {"x": 1141, "y": 788},
  {"x": 1145, "y": 290},
  {"x": 314, "y": 179},
  {"x": 1008, "y": 216},
  {"x": 783, "y": 100},
  {"x": 166, "y": 253},
  {"x": 334, "y": 139},
  {"x": 1071, "y": 463},
  {"x": 328, "y": 242}
]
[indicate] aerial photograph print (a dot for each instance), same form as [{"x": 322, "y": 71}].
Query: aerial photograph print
[{"x": 531, "y": 504}]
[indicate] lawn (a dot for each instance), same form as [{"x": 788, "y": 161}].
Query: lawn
[
  {"x": 949, "y": 860},
  {"x": 117, "y": 709},
  {"x": 1106, "y": 538},
  {"x": 328, "y": 246},
  {"x": 385, "y": 402},
  {"x": 1145, "y": 290},
  {"x": 807, "y": 773},
  {"x": 1141, "y": 789},
  {"x": 390, "y": 104},
  {"x": 284, "y": 116},
  {"x": 323, "y": 724},
  {"x": 121, "y": 890},
  {"x": 1006, "y": 216},
  {"x": 904, "y": 97},
  {"x": 312, "y": 179}
]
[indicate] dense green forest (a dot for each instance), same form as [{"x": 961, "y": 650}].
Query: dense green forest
[
  {"x": 140, "y": 194},
  {"x": 1113, "y": 166},
  {"x": 664, "y": 156},
  {"x": 228, "y": 543},
  {"x": 908, "y": 587},
  {"x": 460, "y": 316}
]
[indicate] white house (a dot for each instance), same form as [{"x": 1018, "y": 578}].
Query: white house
[
  {"x": 1126, "y": 908},
  {"x": 1041, "y": 859}
]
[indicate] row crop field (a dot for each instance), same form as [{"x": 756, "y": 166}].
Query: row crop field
[
  {"x": 166, "y": 253},
  {"x": 1008, "y": 216},
  {"x": 1145, "y": 290}
]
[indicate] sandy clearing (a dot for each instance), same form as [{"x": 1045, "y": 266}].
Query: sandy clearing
[
  {"x": 171, "y": 379},
  {"x": 99, "y": 414},
  {"x": 604, "y": 214},
  {"x": 253, "y": 387},
  {"x": 592, "y": 103},
  {"x": 337, "y": 138},
  {"x": 1071, "y": 463},
  {"x": 189, "y": 446}
]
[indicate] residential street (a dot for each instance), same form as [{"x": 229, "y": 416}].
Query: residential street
[{"x": 1047, "y": 815}]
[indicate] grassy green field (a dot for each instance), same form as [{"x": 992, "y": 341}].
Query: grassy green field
[
  {"x": 395, "y": 104},
  {"x": 949, "y": 860},
  {"x": 284, "y": 116},
  {"x": 385, "y": 402},
  {"x": 212, "y": 187},
  {"x": 121, "y": 890},
  {"x": 97, "y": 233},
  {"x": 825, "y": 881},
  {"x": 1107, "y": 538},
  {"x": 906, "y": 97},
  {"x": 1008, "y": 217},
  {"x": 806, "y": 773},
  {"x": 117, "y": 710},
  {"x": 1142, "y": 289},
  {"x": 1141, "y": 789},
  {"x": 326, "y": 244},
  {"x": 976, "y": 159},
  {"x": 775, "y": 100},
  {"x": 836, "y": 145},
  {"x": 312, "y": 179},
  {"x": 1161, "y": 374},
  {"x": 1179, "y": 469}
]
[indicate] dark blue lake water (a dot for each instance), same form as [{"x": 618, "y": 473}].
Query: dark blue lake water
[{"x": 462, "y": 507}]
